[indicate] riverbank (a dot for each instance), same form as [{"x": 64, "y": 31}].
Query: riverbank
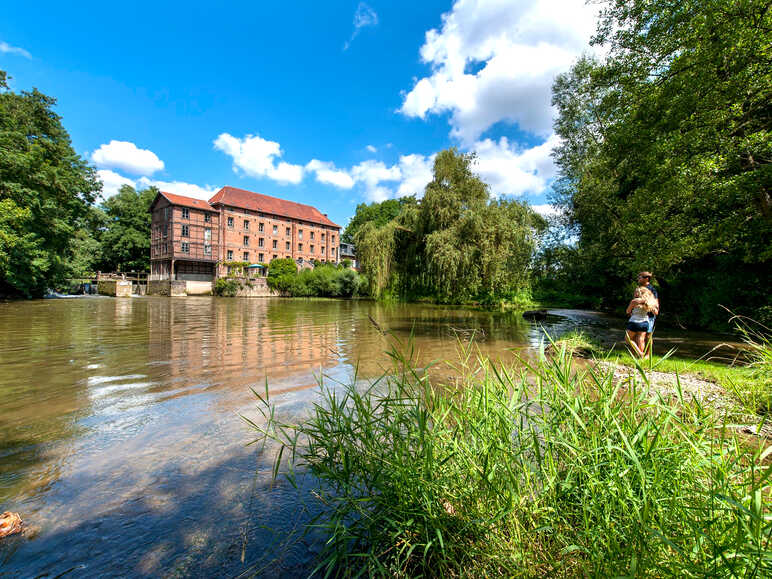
[
  {"x": 550, "y": 467},
  {"x": 738, "y": 387}
]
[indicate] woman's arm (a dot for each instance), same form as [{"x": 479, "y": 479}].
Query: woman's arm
[{"x": 633, "y": 303}]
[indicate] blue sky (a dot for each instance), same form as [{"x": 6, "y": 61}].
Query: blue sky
[{"x": 330, "y": 104}]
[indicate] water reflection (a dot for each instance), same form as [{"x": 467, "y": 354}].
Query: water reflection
[{"x": 120, "y": 437}]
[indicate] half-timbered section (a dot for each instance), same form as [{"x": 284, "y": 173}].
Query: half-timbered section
[{"x": 184, "y": 238}]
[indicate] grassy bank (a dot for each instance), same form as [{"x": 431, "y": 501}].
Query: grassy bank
[{"x": 544, "y": 469}]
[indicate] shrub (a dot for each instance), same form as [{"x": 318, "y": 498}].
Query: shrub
[
  {"x": 226, "y": 287},
  {"x": 324, "y": 280}
]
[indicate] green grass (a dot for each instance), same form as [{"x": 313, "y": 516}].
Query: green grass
[
  {"x": 539, "y": 470},
  {"x": 578, "y": 343}
]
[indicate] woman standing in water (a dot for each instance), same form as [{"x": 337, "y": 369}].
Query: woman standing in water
[{"x": 640, "y": 306}]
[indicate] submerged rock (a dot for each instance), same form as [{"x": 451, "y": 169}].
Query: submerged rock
[
  {"x": 10, "y": 523},
  {"x": 535, "y": 314}
]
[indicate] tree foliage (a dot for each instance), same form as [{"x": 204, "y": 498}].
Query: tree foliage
[
  {"x": 665, "y": 155},
  {"x": 46, "y": 189},
  {"x": 125, "y": 241},
  {"x": 378, "y": 214},
  {"x": 455, "y": 244}
]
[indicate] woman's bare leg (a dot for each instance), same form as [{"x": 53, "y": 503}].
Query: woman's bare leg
[
  {"x": 632, "y": 339},
  {"x": 640, "y": 341}
]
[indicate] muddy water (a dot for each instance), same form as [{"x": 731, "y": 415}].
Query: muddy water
[{"x": 121, "y": 442}]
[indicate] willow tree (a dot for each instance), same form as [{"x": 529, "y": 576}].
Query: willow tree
[
  {"x": 455, "y": 244},
  {"x": 375, "y": 253}
]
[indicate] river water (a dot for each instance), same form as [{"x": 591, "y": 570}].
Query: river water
[{"x": 121, "y": 438}]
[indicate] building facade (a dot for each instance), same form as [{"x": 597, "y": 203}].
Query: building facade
[{"x": 195, "y": 240}]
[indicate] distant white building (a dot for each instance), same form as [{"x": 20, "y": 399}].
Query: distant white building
[{"x": 348, "y": 251}]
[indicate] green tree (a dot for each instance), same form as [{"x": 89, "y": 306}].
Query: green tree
[
  {"x": 378, "y": 214},
  {"x": 456, "y": 244},
  {"x": 665, "y": 155},
  {"x": 45, "y": 190},
  {"x": 282, "y": 274},
  {"x": 126, "y": 238}
]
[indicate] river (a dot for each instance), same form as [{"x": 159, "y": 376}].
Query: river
[{"x": 121, "y": 442}]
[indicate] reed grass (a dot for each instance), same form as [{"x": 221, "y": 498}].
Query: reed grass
[{"x": 541, "y": 469}]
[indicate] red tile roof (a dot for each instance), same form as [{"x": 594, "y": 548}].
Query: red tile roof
[
  {"x": 186, "y": 201},
  {"x": 263, "y": 203}
]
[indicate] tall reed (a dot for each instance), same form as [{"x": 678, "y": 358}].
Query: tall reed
[{"x": 541, "y": 469}]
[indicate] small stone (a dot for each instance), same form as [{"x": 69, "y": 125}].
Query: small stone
[{"x": 10, "y": 523}]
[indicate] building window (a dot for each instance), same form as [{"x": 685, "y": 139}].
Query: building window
[
  {"x": 332, "y": 239},
  {"x": 207, "y": 250},
  {"x": 312, "y": 235},
  {"x": 300, "y": 234},
  {"x": 275, "y": 244},
  {"x": 260, "y": 257},
  {"x": 275, "y": 229},
  {"x": 322, "y": 236},
  {"x": 246, "y": 256},
  {"x": 260, "y": 242},
  {"x": 246, "y": 240},
  {"x": 288, "y": 231},
  {"x": 185, "y": 247},
  {"x": 207, "y": 218},
  {"x": 185, "y": 213},
  {"x": 260, "y": 227},
  {"x": 246, "y": 225},
  {"x": 332, "y": 251},
  {"x": 312, "y": 249},
  {"x": 323, "y": 249},
  {"x": 166, "y": 229},
  {"x": 230, "y": 222},
  {"x": 274, "y": 257},
  {"x": 207, "y": 234},
  {"x": 300, "y": 247},
  {"x": 166, "y": 212},
  {"x": 288, "y": 246},
  {"x": 230, "y": 255},
  {"x": 186, "y": 231}
]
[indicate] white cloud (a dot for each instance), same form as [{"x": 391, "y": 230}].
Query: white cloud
[
  {"x": 495, "y": 61},
  {"x": 416, "y": 171},
  {"x": 6, "y": 48},
  {"x": 407, "y": 177},
  {"x": 546, "y": 210},
  {"x": 112, "y": 182},
  {"x": 180, "y": 188},
  {"x": 258, "y": 158},
  {"x": 327, "y": 173},
  {"x": 128, "y": 157},
  {"x": 371, "y": 148},
  {"x": 363, "y": 17},
  {"x": 513, "y": 171}
]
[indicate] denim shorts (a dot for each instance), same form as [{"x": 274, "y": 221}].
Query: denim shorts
[
  {"x": 651, "y": 325},
  {"x": 637, "y": 326}
]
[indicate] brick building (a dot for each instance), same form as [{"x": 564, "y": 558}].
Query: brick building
[{"x": 194, "y": 240}]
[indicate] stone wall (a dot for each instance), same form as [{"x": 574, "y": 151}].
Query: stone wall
[
  {"x": 166, "y": 287},
  {"x": 198, "y": 288},
  {"x": 254, "y": 288},
  {"x": 114, "y": 287}
]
